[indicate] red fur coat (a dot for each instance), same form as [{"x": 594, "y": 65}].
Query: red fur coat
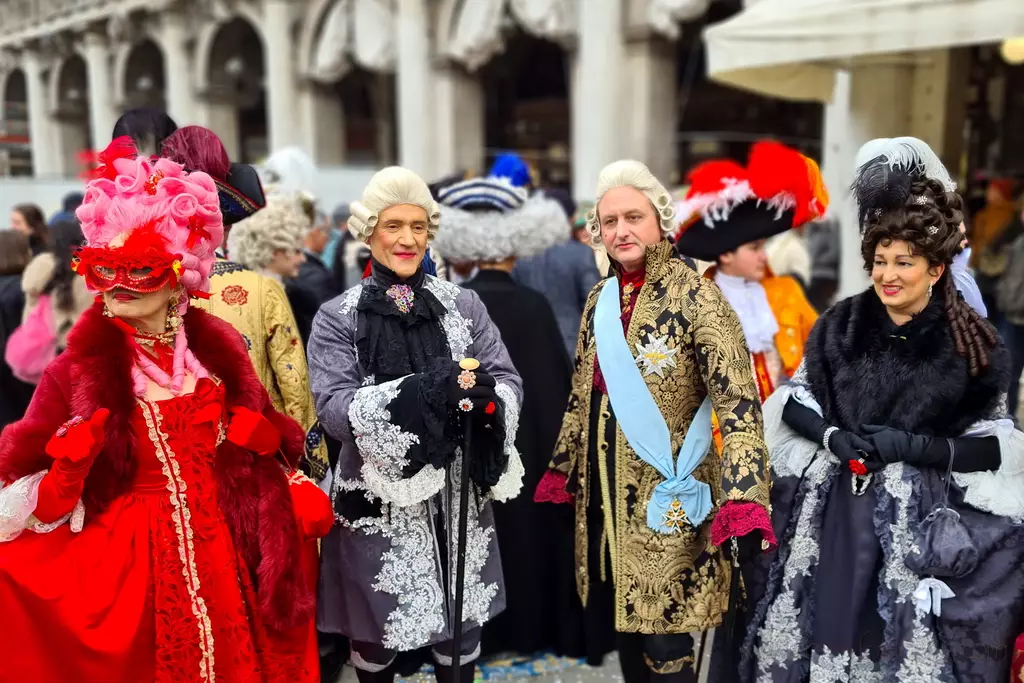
[{"x": 94, "y": 373}]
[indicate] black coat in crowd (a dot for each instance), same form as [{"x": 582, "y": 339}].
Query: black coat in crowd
[
  {"x": 535, "y": 539},
  {"x": 14, "y": 394}
]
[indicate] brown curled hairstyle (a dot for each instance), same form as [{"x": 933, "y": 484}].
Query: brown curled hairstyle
[{"x": 930, "y": 222}]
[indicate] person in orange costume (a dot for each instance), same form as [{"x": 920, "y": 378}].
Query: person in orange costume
[
  {"x": 152, "y": 520},
  {"x": 728, "y": 213}
]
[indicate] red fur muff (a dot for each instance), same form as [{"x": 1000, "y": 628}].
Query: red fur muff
[{"x": 93, "y": 373}]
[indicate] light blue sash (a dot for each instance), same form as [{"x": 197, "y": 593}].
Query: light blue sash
[{"x": 644, "y": 427}]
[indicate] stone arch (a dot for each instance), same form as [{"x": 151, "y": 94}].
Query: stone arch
[
  {"x": 312, "y": 24},
  {"x": 67, "y": 86},
  {"x": 135, "y": 62},
  {"x": 210, "y": 43},
  {"x": 13, "y": 88},
  {"x": 527, "y": 91}
]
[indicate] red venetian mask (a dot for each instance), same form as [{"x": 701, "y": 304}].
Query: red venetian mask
[{"x": 142, "y": 264}]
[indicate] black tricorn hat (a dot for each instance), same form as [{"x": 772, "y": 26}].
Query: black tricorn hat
[
  {"x": 753, "y": 220},
  {"x": 241, "y": 193}
]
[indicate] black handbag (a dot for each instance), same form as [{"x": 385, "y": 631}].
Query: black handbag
[{"x": 943, "y": 547}]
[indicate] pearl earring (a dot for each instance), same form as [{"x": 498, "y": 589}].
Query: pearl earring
[{"x": 930, "y": 290}]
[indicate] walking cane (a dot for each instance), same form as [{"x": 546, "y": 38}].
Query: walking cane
[{"x": 460, "y": 562}]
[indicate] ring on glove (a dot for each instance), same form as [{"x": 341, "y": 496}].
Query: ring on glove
[
  {"x": 858, "y": 467},
  {"x": 465, "y": 405},
  {"x": 467, "y": 380},
  {"x": 76, "y": 420}
]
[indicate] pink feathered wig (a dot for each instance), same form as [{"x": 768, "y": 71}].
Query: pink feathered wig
[{"x": 148, "y": 223}]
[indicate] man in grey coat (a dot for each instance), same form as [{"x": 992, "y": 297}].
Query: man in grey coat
[{"x": 564, "y": 273}]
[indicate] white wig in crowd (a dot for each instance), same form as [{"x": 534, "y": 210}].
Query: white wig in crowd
[
  {"x": 630, "y": 173},
  {"x": 281, "y": 225},
  {"x": 389, "y": 187},
  {"x": 494, "y": 234}
]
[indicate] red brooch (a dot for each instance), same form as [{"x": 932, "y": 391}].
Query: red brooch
[
  {"x": 490, "y": 408},
  {"x": 234, "y": 295},
  {"x": 153, "y": 181},
  {"x": 858, "y": 467}
]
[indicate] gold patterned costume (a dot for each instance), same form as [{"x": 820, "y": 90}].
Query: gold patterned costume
[
  {"x": 257, "y": 307},
  {"x": 689, "y": 345}
]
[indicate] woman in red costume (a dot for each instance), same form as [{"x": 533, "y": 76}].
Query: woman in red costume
[{"x": 152, "y": 526}]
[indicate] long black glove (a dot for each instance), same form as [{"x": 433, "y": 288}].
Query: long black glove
[
  {"x": 843, "y": 444},
  {"x": 969, "y": 454}
]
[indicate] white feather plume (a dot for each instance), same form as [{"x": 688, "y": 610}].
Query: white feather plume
[
  {"x": 470, "y": 237},
  {"x": 288, "y": 171},
  {"x": 907, "y": 153}
]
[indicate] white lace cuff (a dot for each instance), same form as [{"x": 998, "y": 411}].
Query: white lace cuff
[
  {"x": 1000, "y": 492},
  {"x": 384, "y": 446},
  {"x": 511, "y": 481},
  {"x": 18, "y": 502}
]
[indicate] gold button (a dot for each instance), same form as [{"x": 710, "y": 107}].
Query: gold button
[
  {"x": 791, "y": 332},
  {"x": 792, "y": 349}
]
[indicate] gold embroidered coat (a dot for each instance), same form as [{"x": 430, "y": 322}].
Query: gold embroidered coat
[
  {"x": 682, "y": 324},
  {"x": 257, "y": 307}
]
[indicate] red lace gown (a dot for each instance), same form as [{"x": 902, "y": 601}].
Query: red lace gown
[{"x": 151, "y": 589}]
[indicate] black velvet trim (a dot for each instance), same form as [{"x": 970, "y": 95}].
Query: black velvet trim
[{"x": 864, "y": 369}]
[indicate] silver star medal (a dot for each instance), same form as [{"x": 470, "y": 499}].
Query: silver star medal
[{"x": 655, "y": 356}]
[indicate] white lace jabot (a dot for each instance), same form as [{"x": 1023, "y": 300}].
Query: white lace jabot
[{"x": 750, "y": 302}]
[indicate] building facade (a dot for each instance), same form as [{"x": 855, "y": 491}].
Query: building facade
[{"x": 435, "y": 85}]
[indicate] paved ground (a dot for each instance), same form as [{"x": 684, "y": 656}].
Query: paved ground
[{"x": 543, "y": 670}]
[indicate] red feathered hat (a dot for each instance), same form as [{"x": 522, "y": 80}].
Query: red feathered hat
[{"x": 729, "y": 205}]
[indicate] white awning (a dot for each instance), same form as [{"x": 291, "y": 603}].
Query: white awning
[{"x": 792, "y": 48}]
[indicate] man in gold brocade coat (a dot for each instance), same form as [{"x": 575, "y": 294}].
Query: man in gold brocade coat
[{"x": 659, "y": 350}]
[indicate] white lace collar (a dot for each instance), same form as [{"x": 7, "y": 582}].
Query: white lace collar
[{"x": 750, "y": 302}]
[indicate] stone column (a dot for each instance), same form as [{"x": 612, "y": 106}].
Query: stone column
[
  {"x": 44, "y": 158},
  {"x": 597, "y": 106},
  {"x": 649, "y": 91},
  {"x": 413, "y": 83},
  {"x": 322, "y": 124},
  {"x": 102, "y": 114},
  {"x": 279, "y": 66},
  {"x": 222, "y": 118},
  {"x": 459, "y": 120},
  {"x": 182, "y": 104},
  {"x": 870, "y": 102}
]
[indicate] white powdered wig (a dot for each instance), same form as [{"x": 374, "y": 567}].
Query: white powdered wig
[
  {"x": 389, "y": 187},
  {"x": 288, "y": 171},
  {"x": 910, "y": 154},
  {"x": 489, "y": 236},
  {"x": 281, "y": 225},
  {"x": 630, "y": 173}
]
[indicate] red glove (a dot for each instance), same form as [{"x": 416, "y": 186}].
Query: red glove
[
  {"x": 253, "y": 432},
  {"x": 74, "y": 449},
  {"x": 313, "y": 511}
]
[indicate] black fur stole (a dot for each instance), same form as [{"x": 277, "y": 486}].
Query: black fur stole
[{"x": 864, "y": 369}]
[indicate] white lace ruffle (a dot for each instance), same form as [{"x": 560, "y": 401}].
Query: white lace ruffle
[
  {"x": 18, "y": 502},
  {"x": 1000, "y": 492},
  {"x": 384, "y": 446},
  {"x": 511, "y": 481}
]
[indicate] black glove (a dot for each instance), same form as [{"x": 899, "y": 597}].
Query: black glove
[
  {"x": 843, "y": 444},
  {"x": 969, "y": 454},
  {"x": 472, "y": 389}
]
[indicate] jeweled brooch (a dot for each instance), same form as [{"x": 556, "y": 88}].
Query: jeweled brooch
[{"x": 403, "y": 296}]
